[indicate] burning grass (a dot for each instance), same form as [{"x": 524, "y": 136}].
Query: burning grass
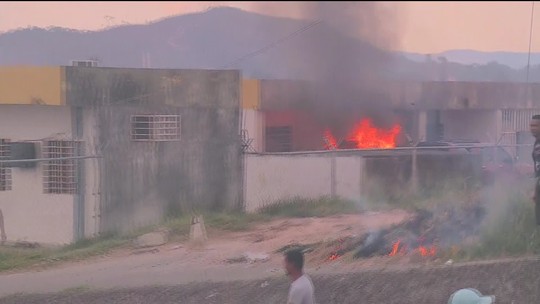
[
  {"x": 441, "y": 227},
  {"x": 442, "y": 223},
  {"x": 471, "y": 224}
]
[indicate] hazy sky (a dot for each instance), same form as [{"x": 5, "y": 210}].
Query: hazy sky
[{"x": 425, "y": 27}]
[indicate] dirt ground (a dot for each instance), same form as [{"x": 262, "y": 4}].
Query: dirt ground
[
  {"x": 179, "y": 263},
  {"x": 214, "y": 274},
  {"x": 265, "y": 239},
  {"x": 514, "y": 282}
]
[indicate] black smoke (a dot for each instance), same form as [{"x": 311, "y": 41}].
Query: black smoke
[{"x": 345, "y": 58}]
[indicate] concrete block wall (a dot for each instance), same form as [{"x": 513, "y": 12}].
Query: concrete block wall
[{"x": 274, "y": 178}]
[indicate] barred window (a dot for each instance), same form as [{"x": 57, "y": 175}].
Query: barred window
[
  {"x": 5, "y": 171},
  {"x": 59, "y": 176},
  {"x": 279, "y": 139},
  {"x": 155, "y": 127}
]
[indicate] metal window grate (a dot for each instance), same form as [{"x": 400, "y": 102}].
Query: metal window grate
[
  {"x": 5, "y": 172},
  {"x": 517, "y": 120},
  {"x": 278, "y": 139},
  {"x": 59, "y": 176},
  {"x": 155, "y": 127}
]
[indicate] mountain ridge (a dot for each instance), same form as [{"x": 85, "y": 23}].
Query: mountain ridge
[{"x": 218, "y": 36}]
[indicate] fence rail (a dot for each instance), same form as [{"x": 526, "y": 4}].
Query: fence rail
[
  {"x": 396, "y": 149},
  {"x": 37, "y": 160}
]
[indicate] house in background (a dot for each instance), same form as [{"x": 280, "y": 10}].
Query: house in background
[
  {"x": 487, "y": 112},
  {"x": 432, "y": 111},
  {"x": 122, "y": 148},
  {"x": 273, "y": 120},
  {"x": 129, "y": 146}
]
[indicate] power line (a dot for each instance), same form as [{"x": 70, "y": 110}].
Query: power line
[
  {"x": 530, "y": 40},
  {"x": 273, "y": 44}
]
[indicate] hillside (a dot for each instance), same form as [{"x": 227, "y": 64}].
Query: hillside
[{"x": 220, "y": 36}]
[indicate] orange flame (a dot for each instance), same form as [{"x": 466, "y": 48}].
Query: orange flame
[
  {"x": 395, "y": 248},
  {"x": 333, "y": 257},
  {"x": 335, "y": 254},
  {"x": 330, "y": 140},
  {"x": 424, "y": 251},
  {"x": 367, "y": 136}
]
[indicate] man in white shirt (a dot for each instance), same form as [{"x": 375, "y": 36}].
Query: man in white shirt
[{"x": 301, "y": 290}]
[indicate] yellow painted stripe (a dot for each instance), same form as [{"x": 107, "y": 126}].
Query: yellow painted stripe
[{"x": 32, "y": 85}]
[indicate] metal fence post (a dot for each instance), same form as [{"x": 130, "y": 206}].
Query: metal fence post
[{"x": 414, "y": 172}]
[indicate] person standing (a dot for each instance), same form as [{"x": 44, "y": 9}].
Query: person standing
[
  {"x": 302, "y": 290},
  {"x": 3, "y": 236},
  {"x": 535, "y": 130}
]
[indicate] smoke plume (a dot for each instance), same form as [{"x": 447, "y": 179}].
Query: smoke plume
[{"x": 345, "y": 57}]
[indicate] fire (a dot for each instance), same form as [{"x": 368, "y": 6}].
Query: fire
[
  {"x": 424, "y": 251},
  {"x": 395, "y": 248},
  {"x": 339, "y": 247},
  {"x": 333, "y": 257},
  {"x": 365, "y": 135},
  {"x": 330, "y": 140}
]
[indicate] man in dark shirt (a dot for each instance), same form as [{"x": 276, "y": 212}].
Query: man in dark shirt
[{"x": 535, "y": 130}]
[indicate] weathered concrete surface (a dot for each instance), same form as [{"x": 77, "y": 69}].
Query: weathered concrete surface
[
  {"x": 514, "y": 281},
  {"x": 142, "y": 181}
]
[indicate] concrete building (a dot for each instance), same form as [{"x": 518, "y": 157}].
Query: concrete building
[
  {"x": 252, "y": 117},
  {"x": 129, "y": 146},
  {"x": 485, "y": 112}
]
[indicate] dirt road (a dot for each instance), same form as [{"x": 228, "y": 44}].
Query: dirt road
[
  {"x": 514, "y": 281},
  {"x": 179, "y": 263},
  {"x": 205, "y": 276}
]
